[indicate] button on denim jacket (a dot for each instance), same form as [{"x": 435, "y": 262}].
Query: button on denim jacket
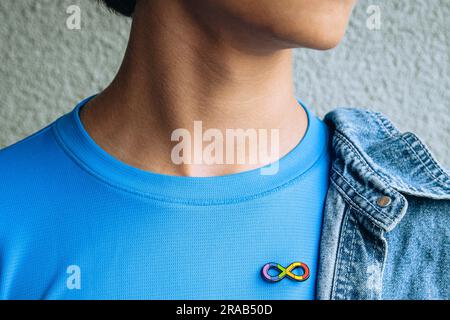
[{"x": 386, "y": 232}]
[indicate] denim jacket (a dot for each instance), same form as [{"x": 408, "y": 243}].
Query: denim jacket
[{"x": 386, "y": 232}]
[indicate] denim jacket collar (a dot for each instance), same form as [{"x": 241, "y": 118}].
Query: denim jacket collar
[{"x": 373, "y": 159}]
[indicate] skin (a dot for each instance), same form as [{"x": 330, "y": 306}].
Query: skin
[{"x": 227, "y": 63}]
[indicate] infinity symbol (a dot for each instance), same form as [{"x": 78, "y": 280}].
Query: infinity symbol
[{"x": 285, "y": 271}]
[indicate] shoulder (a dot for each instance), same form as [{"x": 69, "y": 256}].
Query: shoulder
[
  {"x": 26, "y": 164},
  {"x": 23, "y": 152},
  {"x": 400, "y": 158}
]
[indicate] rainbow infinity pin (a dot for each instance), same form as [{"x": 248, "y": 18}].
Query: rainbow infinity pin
[{"x": 285, "y": 271}]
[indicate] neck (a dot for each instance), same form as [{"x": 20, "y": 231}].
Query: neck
[{"x": 175, "y": 72}]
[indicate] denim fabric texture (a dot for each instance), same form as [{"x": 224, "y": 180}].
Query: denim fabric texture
[{"x": 386, "y": 232}]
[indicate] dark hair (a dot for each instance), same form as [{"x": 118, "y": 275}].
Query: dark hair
[{"x": 125, "y": 7}]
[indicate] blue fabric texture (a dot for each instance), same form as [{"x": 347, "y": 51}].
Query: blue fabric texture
[{"x": 75, "y": 223}]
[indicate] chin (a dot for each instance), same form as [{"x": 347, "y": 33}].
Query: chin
[
  {"x": 325, "y": 42},
  {"x": 321, "y": 31},
  {"x": 319, "y": 39},
  {"x": 319, "y": 36}
]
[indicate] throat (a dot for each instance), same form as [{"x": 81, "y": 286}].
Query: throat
[{"x": 197, "y": 148}]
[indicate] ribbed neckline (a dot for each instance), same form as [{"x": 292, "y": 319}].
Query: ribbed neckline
[{"x": 225, "y": 189}]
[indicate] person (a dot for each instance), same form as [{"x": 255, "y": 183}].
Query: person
[{"x": 197, "y": 174}]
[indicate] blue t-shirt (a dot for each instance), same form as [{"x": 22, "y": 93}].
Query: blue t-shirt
[{"x": 76, "y": 223}]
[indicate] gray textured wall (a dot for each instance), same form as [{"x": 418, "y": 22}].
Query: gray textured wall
[{"x": 402, "y": 69}]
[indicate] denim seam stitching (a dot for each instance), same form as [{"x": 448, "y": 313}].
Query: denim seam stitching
[
  {"x": 430, "y": 168},
  {"x": 359, "y": 194},
  {"x": 362, "y": 196},
  {"x": 382, "y": 250},
  {"x": 352, "y": 251},
  {"x": 428, "y": 157},
  {"x": 337, "y": 254},
  {"x": 354, "y": 205},
  {"x": 374, "y": 249},
  {"x": 380, "y": 119},
  {"x": 337, "y": 270},
  {"x": 383, "y": 177},
  {"x": 386, "y": 124},
  {"x": 392, "y": 132},
  {"x": 352, "y": 149},
  {"x": 341, "y": 137}
]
